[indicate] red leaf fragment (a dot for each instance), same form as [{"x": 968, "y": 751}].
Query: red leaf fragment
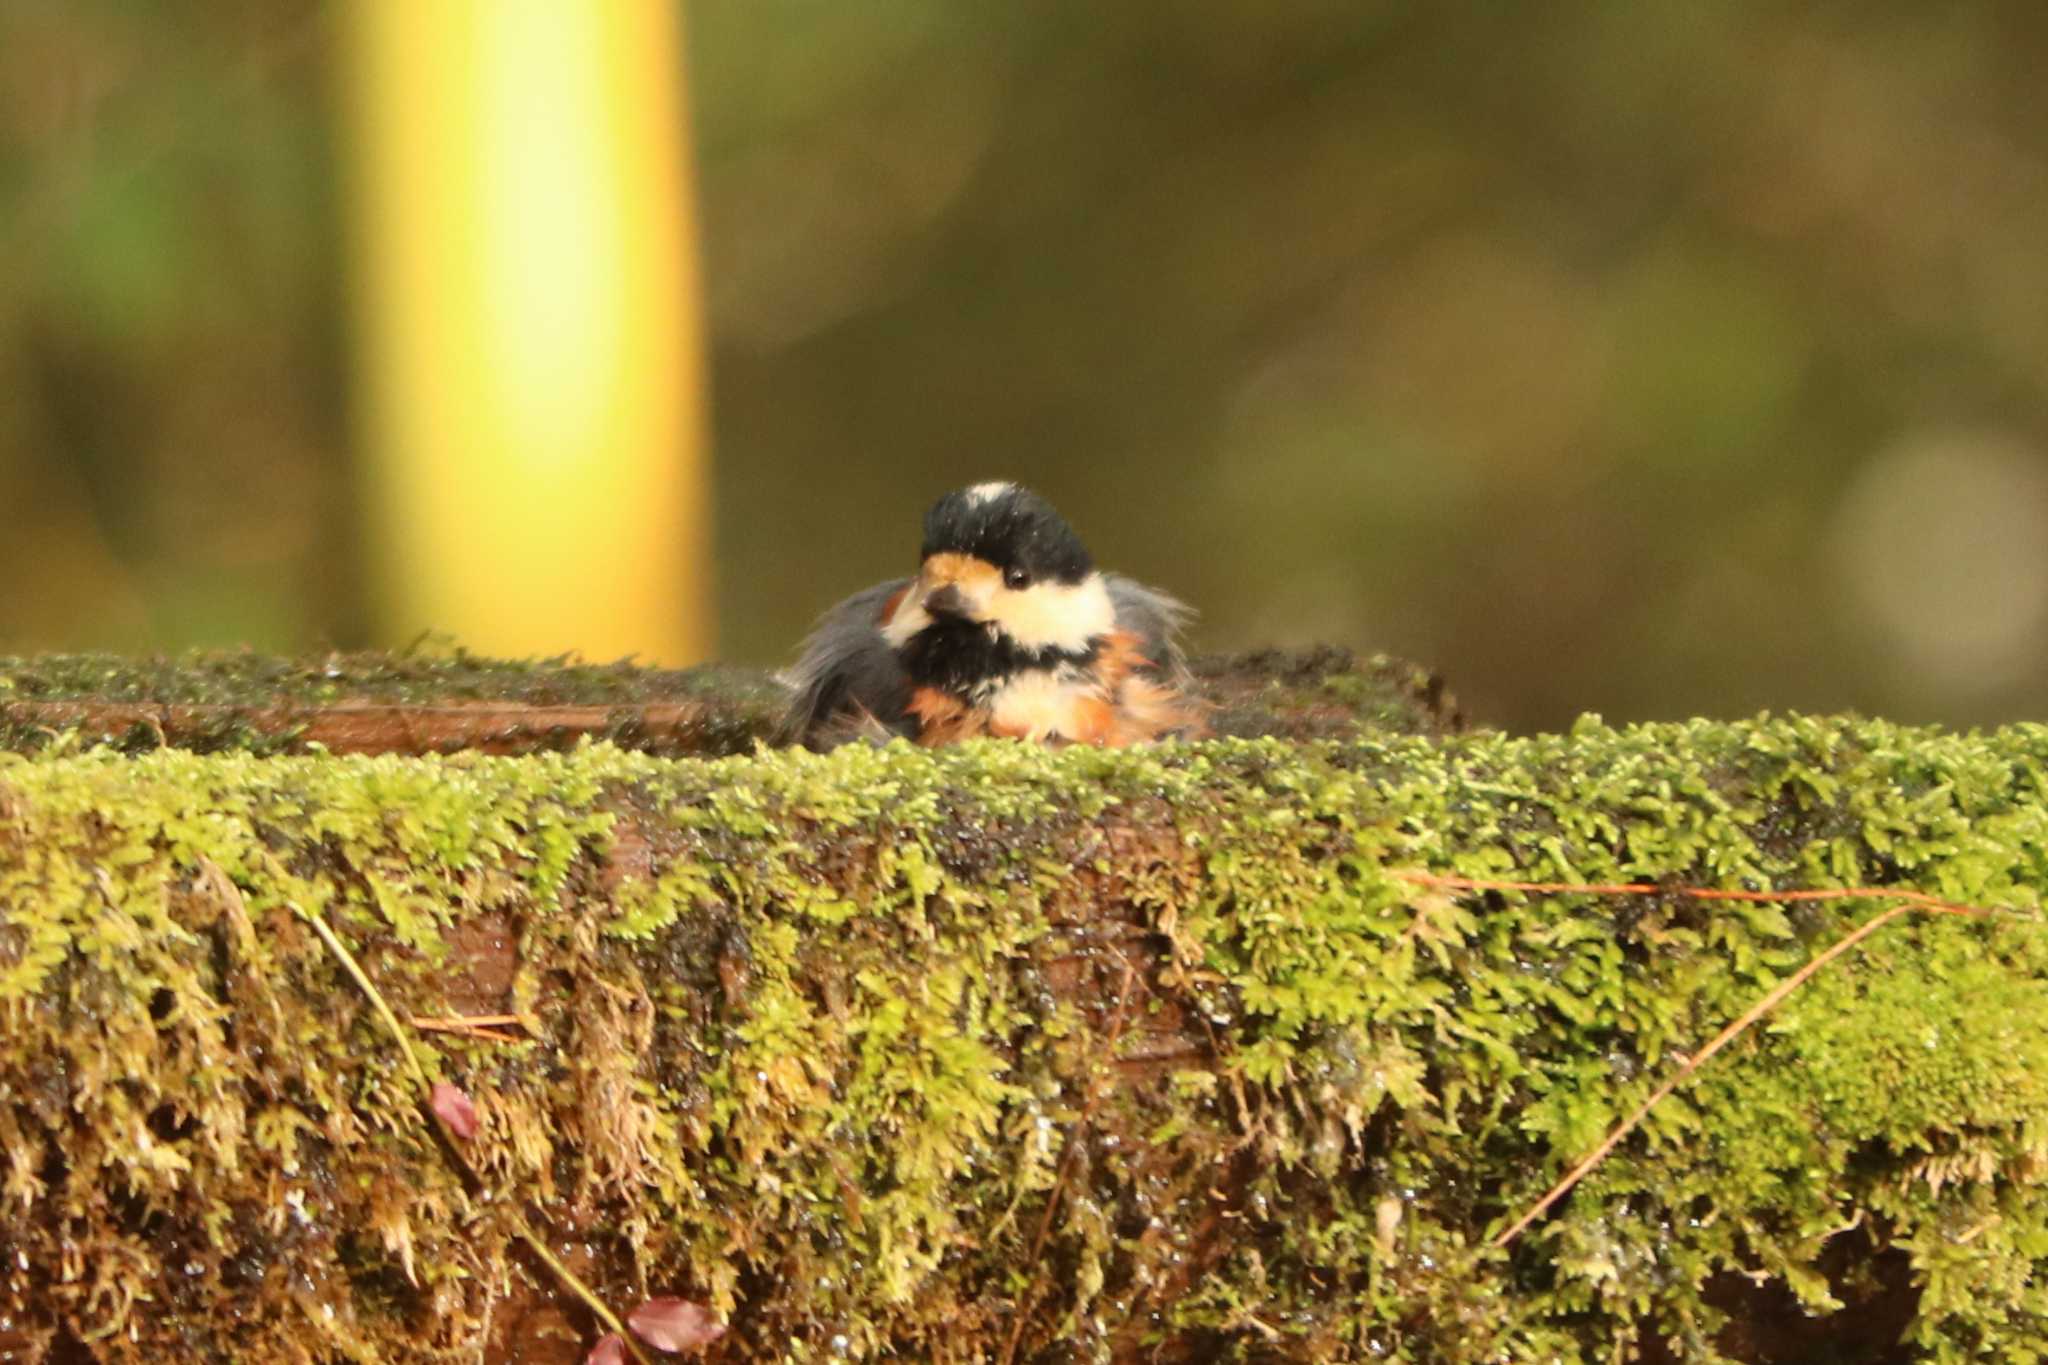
[
  {"x": 611, "y": 1350},
  {"x": 456, "y": 1110},
  {"x": 674, "y": 1324}
]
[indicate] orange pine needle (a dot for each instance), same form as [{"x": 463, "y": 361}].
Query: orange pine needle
[{"x": 485, "y": 1026}]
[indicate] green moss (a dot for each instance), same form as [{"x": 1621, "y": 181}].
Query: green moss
[{"x": 820, "y": 1037}]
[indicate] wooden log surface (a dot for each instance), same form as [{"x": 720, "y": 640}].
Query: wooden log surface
[{"x": 422, "y": 704}]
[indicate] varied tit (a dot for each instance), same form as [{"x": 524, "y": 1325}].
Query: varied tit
[{"x": 1007, "y": 629}]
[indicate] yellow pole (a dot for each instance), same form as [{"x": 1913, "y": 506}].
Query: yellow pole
[{"x": 530, "y": 352}]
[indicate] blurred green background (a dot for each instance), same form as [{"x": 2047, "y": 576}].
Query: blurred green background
[{"x": 1651, "y": 359}]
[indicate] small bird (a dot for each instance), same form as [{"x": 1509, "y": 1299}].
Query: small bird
[{"x": 1007, "y": 629}]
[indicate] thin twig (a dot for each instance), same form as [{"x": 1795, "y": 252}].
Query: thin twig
[
  {"x": 470, "y": 1031},
  {"x": 519, "y": 1225},
  {"x": 1095, "y": 1093},
  {"x": 1692, "y": 1064},
  {"x": 1059, "y": 1182},
  {"x": 1698, "y": 893},
  {"x": 1908, "y": 900},
  {"x": 355, "y": 969},
  {"x": 484, "y": 1026},
  {"x": 581, "y": 1290}
]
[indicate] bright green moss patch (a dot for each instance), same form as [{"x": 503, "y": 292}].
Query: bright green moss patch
[{"x": 820, "y": 1037}]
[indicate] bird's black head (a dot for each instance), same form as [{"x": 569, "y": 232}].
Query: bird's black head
[
  {"x": 1003, "y": 585},
  {"x": 1011, "y": 528}
]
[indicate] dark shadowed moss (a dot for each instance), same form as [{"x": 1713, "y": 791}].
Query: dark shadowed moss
[
  {"x": 242, "y": 678},
  {"x": 817, "y": 1037},
  {"x": 447, "y": 700},
  {"x": 242, "y": 701}
]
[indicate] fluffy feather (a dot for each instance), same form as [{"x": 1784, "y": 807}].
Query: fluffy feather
[
  {"x": 1071, "y": 655},
  {"x": 847, "y": 675}
]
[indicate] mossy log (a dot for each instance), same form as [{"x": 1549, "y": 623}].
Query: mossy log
[
  {"x": 1004, "y": 1054},
  {"x": 450, "y": 701}
]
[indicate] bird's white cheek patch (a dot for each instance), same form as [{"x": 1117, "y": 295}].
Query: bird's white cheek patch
[{"x": 1062, "y": 615}]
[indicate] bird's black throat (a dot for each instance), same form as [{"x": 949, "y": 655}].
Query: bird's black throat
[{"x": 963, "y": 658}]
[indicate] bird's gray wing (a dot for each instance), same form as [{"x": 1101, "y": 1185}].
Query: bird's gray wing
[
  {"x": 1156, "y": 619},
  {"x": 847, "y": 681}
]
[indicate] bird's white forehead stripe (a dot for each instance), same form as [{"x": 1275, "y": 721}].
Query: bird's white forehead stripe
[{"x": 988, "y": 492}]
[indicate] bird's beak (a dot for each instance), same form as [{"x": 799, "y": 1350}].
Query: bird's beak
[
  {"x": 948, "y": 601},
  {"x": 956, "y": 587}
]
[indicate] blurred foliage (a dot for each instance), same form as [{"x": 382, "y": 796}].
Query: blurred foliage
[
  {"x": 172, "y": 433},
  {"x": 1650, "y": 359}
]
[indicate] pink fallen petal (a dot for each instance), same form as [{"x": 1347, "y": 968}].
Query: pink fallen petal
[
  {"x": 674, "y": 1324},
  {"x": 456, "y": 1110},
  {"x": 610, "y": 1351}
]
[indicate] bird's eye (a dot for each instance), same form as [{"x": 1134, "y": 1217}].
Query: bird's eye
[{"x": 1015, "y": 578}]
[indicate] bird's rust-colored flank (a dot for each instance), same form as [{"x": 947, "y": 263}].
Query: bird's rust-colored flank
[
  {"x": 1145, "y": 709},
  {"x": 943, "y": 718},
  {"x": 1117, "y": 704}
]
